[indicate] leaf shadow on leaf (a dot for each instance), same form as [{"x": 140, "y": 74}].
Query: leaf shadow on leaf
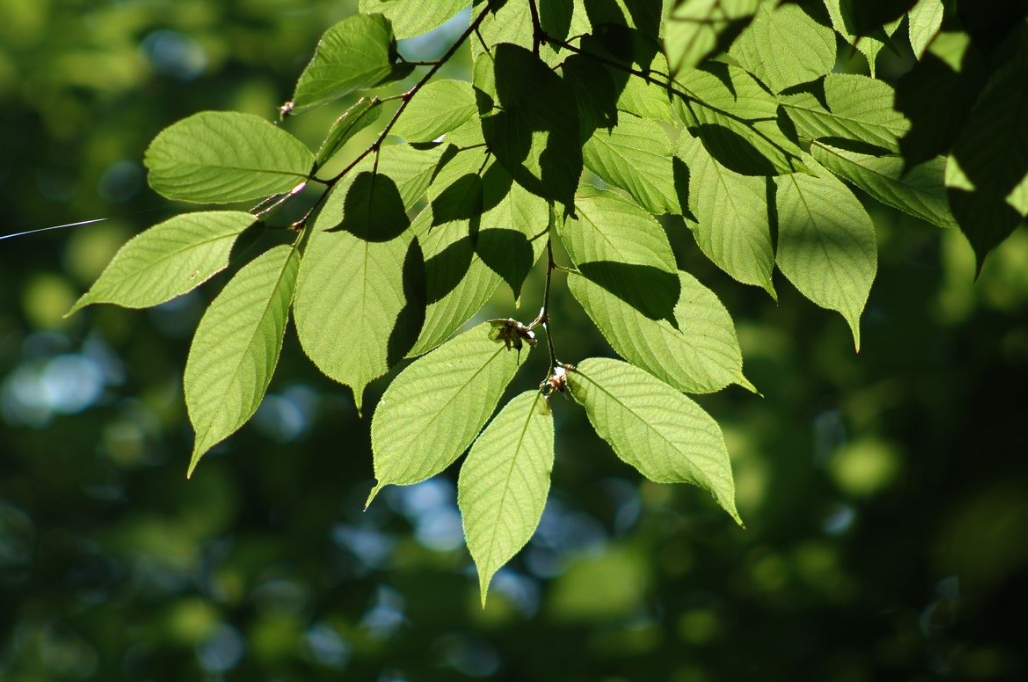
[
  {"x": 680, "y": 172},
  {"x": 445, "y": 270},
  {"x": 651, "y": 291},
  {"x": 373, "y": 209},
  {"x": 461, "y": 200},
  {"x": 596, "y": 93},
  {"x": 508, "y": 253},
  {"x": 411, "y": 317},
  {"x": 863, "y": 17},
  {"x": 733, "y": 151}
]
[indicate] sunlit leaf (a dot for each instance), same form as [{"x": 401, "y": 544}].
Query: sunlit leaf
[
  {"x": 700, "y": 355},
  {"x": 355, "y": 54},
  {"x": 654, "y": 428},
  {"x": 438, "y": 108},
  {"x": 635, "y": 156},
  {"x": 413, "y": 17},
  {"x": 220, "y": 157},
  {"x": 826, "y": 244},
  {"x": 168, "y": 260},
  {"x": 925, "y": 20},
  {"x": 359, "y": 303},
  {"x": 504, "y": 482},
  {"x": 919, "y": 191},
  {"x": 436, "y": 406},
  {"x": 730, "y": 209},
  {"x": 859, "y": 109},
  {"x": 236, "y": 347},
  {"x": 784, "y": 46}
]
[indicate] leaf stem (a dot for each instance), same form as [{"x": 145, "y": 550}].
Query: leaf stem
[{"x": 538, "y": 35}]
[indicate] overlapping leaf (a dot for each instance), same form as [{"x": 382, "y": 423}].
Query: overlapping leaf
[
  {"x": 355, "y": 54},
  {"x": 654, "y": 428},
  {"x": 826, "y": 244},
  {"x": 355, "y": 119},
  {"x": 236, "y": 347},
  {"x": 784, "y": 46},
  {"x": 221, "y": 157},
  {"x": 696, "y": 29},
  {"x": 730, "y": 209},
  {"x": 438, "y": 108},
  {"x": 168, "y": 260},
  {"x": 919, "y": 191},
  {"x": 504, "y": 483},
  {"x": 434, "y": 409}
]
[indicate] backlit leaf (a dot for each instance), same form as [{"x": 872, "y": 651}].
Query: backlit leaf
[
  {"x": 220, "y": 157},
  {"x": 919, "y": 191},
  {"x": 355, "y": 119},
  {"x": 701, "y": 355},
  {"x": 697, "y": 29},
  {"x": 826, "y": 244},
  {"x": 436, "y": 406},
  {"x": 413, "y": 17},
  {"x": 236, "y": 347},
  {"x": 654, "y": 428},
  {"x": 168, "y": 260},
  {"x": 925, "y": 20},
  {"x": 355, "y": 54},
  {"x": 504, "y": 483},
  {"x": 784, "y": 46},
  {"x": 439, "y": 107}
]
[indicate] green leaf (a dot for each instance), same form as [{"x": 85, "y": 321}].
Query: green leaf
[
  {"x": 919, "y": 191},
  {"x": 737, "y": 120},
  {"x": 987, "y": 170},
  {"x": 438, "y": 108},
  {"x": 635, "y": 156},
  {"x": 504, "y": 482},
  {"x": 697, "y": 29},
  {"x": 373, "y": 209},
  {"x": 359, "y": 303},
  {"x": 863, "y": 17},
  {"x": 654, "y": 428},
  {"x": 612, "y": 229},
  {"x": 534, "y": 133},
  {"x": 730, "y": 209},
  {"x": 355, "y": 54},
  {"x": 355, "y": 119},
  {"x": 826, "y": 244},
  {"x": 869, "y": 45},
  {"x": 412, "y": 18},
  {"x": 924, "y": 22},
  {"x": 859, "y": 109},
  {"x": 236, "y": 347},
  {"x": 784, "y": 47},
  {"x": 436, "y": 406},
  {"x": 221, "y": 157},
  {"x": 701, "y": 355},
  {"x": 168, "y": 260}
]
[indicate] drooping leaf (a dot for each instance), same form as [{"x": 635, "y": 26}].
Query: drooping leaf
[
  {"x": 635, "y": 156},
  {"x": 612, "y": 229},
  {"x": 436, "y": 406},
  {"x": 737, "y": 120},
  {"x": 654, "y": 428},
  {"x": 860, "y": 109},
  {"x": 168, "y": 260},
  {"x": 870, "y": 44},
  {"x": 412, "y": 18},
  {"x": 784, "y": 46},
  {"x": 697, "y": 29},
  {"x": 919, "y": 192},
  {"x": 439, "y": 107},
  {"x": 221, "y": 157},
  {"x": 826, "y": 244},
  {"x": 504, "y": 483},
  {"x": 236, "y": 347},
  {"x": 701, "y": 355},
  {"x": 987, "y": 170},
  {"x": 355, "y": 119},
  {"x": 355, "y": 54},
  {"x": 925, "y": 20},
  {"x": 730, "y": 209},
  {"x": 534, "y": 132}
]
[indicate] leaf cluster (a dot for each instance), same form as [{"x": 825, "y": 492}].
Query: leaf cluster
[{"x": 584, "y": 124}]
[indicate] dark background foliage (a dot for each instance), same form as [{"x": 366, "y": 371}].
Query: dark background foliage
[{"x": 884, "y": 493}]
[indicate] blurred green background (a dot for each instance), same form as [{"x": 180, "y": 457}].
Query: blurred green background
[{"x": 885, "y": 493}]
